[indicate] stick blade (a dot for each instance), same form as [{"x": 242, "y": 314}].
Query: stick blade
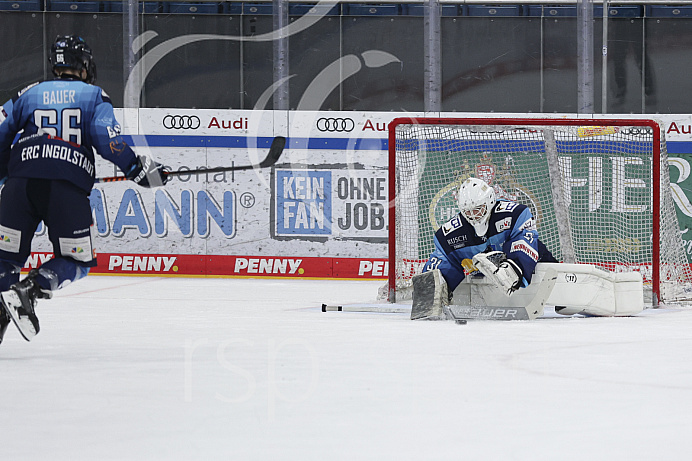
[
  {"x": 275, "y": 151},
  {"x": 535, "y": 307}
]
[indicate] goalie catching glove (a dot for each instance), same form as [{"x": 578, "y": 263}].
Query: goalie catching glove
[
  {"x": 502, "y": 272},
  {"x": 147, "y": 173}
]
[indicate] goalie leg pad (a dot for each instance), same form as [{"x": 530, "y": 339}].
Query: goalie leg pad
[
  {"x": 429, "y": 296},
  {"x": 587, "y": 290}
]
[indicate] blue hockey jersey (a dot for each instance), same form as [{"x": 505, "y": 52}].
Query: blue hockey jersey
[
  {"x": 511, "y": 229},
  {"x": 61, "y": 122}
]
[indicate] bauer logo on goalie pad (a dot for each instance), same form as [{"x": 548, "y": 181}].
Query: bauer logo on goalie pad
[{"x": 487, "y": 313}]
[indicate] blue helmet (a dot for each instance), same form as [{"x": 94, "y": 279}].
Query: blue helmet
[{"x": 71, "y": 51}]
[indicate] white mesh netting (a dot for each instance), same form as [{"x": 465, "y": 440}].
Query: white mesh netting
[{"x": 590, "y": 187}]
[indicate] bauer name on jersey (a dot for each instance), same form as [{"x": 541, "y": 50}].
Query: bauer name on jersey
[
  {"x": 54, "y": 143},
  {"x": 511, "y": 229}
]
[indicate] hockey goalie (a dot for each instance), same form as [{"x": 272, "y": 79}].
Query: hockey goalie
[{"x": 489, "y": 262}]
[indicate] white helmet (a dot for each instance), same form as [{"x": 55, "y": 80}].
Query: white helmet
[{"x": 476, "y": 200}]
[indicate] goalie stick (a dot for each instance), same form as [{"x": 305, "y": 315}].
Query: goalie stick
[
  {"x": 275, "y": 150},
  {"x": 384, "y": 309}
]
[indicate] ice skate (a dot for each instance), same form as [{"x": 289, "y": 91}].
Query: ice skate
[{"x": 19, "y": 303}]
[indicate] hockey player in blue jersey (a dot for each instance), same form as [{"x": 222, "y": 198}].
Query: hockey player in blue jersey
[
  {"x": 496, "y": 237},
  {"x": 48, "y": 174}
]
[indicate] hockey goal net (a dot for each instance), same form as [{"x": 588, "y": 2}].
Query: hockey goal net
[{"x": 599, "y": 190}]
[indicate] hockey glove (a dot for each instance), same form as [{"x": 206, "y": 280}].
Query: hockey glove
[
  {"x": 500, "y": 271},
  {"x": 147, "y": 173}
]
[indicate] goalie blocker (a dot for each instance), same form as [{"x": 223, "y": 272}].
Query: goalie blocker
[{"x": 571, "y": 288}]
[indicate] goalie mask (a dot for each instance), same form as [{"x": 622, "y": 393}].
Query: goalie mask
[
  {"x": 476, "y": 201},
  {"x": 71, "y": 51}
]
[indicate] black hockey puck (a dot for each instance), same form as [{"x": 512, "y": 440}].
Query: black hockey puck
[{"x": 460, "y": 322}]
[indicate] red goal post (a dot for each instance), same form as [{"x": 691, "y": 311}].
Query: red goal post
[{"x": 598, "y": 188}]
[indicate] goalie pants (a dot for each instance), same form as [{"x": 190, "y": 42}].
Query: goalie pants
[{"x": 65, "y": 210}]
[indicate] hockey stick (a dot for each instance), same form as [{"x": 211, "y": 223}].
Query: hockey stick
[
  {"x": 534, "y": 309},
  {"x": 275, "y": 150},
  {"x": 365, "y": 308}
]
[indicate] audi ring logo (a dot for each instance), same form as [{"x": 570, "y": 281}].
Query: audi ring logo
[
  {"x": 636, "y": 131},
  {"x": 185, "y": 122},
  {"x": 335, "y": 124}
]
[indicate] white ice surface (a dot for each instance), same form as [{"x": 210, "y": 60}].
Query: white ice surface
[{"x": 129, "y": 368}]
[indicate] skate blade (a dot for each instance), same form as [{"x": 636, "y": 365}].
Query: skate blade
[{"x": 10, "y": 299}]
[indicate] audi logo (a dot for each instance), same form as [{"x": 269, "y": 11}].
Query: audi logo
[
  {"x": 637, "y": 131},
  {"x": 185, "y": 122},
  {"x": 335, "y": 124}
]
